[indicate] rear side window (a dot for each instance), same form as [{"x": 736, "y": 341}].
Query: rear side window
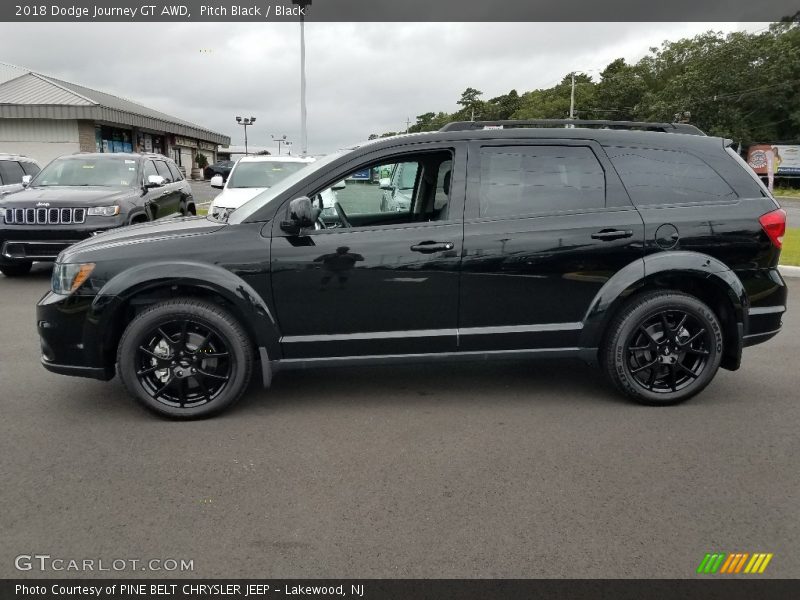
[
  {"x": 176, "y": 175},
  {"x": 30, "y": 168},
  {"x": 525, "y": 180},
  {"x": 163, "y": 170},
  {"x": 11, "y": 172},
  {"x": 667, "y": 176}
]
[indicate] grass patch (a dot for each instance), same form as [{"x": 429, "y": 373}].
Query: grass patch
[
  {"x": 790, "y": 254},
  {"x": 202, "y": 212},
  {"x": 786, "y": 192}
]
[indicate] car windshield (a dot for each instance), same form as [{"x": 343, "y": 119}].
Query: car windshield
[
  {"x": 262, "y": 174},
  {"x": 307, "y": 171},
  {"x": 104, "y": 171}
]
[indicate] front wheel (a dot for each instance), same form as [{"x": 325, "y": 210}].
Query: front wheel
[
  {"x": 663, "y": 348},
  {"x": 185, "y": 358},
  {"x": 17, "y": 269}
]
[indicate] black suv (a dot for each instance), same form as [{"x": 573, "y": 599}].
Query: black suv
[
  {"x": 80, "y": 195},
  {"x": 650, "y": 249}
]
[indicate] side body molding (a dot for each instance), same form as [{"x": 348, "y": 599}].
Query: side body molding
[{"x": 680, "y": 266}]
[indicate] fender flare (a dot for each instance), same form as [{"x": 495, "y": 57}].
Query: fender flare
[
  {"x": 257, "y": 318},
  {"x": 645, "y": 271}
]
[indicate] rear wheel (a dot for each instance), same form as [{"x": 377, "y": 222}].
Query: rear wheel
[
  {"x": 17, "y": 269},
  {"x": 185, "y": 358},
  {"x": 663, "y": 348}
]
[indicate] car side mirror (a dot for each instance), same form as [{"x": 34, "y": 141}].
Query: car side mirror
[
  {"x": 385, "y": 183},
  {"x": 217, "y": 182},
  {"x": 301, "y": 214},
  {"x": 339, "y": 185},
  {"x": 26, "y": 180},
  {"x": 154, "y": 181}
]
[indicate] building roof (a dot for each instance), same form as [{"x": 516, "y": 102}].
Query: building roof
[{"x": 25, "y": 94}]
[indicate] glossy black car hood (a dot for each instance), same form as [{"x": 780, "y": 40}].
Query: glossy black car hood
[
  {"x": 73, "y": 196},
  {"x": 139, "y": 234}
]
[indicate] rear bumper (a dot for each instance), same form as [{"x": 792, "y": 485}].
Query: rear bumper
[{"x": 767, "y": 293}]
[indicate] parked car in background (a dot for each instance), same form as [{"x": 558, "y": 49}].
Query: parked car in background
[
  {"x": 15, "y": 172},
  {"x": 252, "y": 175},
  {"x": 77, "y": 196},
  {"x": 647, "y": 249},
  {"x": 222, "y": 167}
]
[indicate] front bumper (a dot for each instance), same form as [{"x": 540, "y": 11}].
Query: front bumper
[
  {"x": 71, "y": 341},
  {"x": 26, "y": 243}
]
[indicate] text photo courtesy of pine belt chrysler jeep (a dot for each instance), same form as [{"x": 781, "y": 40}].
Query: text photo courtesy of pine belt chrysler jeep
[
  {"x": 80, "y": 195},
  {"x": 648, "y": 249}
]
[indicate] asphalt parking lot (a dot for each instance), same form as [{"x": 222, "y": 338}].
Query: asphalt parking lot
[{"x": 487, "y": 470}]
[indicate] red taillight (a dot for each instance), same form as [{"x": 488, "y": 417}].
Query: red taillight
[{"x": 774, "y": 225}]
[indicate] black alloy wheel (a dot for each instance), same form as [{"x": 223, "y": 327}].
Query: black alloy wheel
[
  {"x": 662, "y": 348},
  {"x": 185, "y": 358}
]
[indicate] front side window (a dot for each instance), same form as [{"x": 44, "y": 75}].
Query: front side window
[
  {"x": 262, "y": 174},
  {"x": 667, "y": 176},
  {"x": 415, "y": 188},
  {"x": 149, "y": 169},
  {"x": 527, "y": 180},
  {"x": 89, "y": 171}
]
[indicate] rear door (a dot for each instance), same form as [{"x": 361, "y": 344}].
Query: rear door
[
  {"x": 169, "y": 200},
  {"x": 546, "y": 225}
]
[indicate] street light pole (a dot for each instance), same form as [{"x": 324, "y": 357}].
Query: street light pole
[
  {"x": 303, "y": 4},
  {"x": 572, "y": 98},
  {"x": 246, "y": 122},
  {"x": 281, "y": 139}
]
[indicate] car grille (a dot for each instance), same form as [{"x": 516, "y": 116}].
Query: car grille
[{"x": 44, "y": 216}]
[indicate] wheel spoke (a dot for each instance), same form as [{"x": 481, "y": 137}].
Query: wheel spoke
[
  {"x": 699, "y": 351},
  {"x": 693, "y": 338},
  {"x": 149, "y": 370},
  {"x": 182, "y": 391},
  {"x": 215, "y": 376},
  {"x": 214, "y": 354},
  {"x": 168, "y": 338},
  {"x": 203, "y": 387},
  {"x": 652, "y": 379},
  {"x": 665, "y": 325},
  {"x": 184, "y": 337},
  {"x": 687, "y": 370},
  {"x": 161, "y": 390},
  {"x": 672, "y": 382},
  {"x": 637, "y": 348},
  {"x": 649, "y": 335},
  {"x": 151, "y": 353},
  {"x": 643, "y": 367},
  {"x": 682, "y": 322}
]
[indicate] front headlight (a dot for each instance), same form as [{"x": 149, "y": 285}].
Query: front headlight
[
  {"x": 104, "y": 211},
  {"x": 68, "y": 277}
]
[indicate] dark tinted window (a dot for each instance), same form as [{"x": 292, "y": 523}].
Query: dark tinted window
[
  {"x": 667, "y": 176},
  {"x": 11, "y": 172},
  {"x": 30, "y": 168},
  {"x": 176, "y": 174},
  {"x": 163, "y": 170},
  {"x": 149, "y": 169},
  {"x": 521, "y": 180}
]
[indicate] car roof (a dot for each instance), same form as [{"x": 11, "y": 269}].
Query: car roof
[
  {"x": 605, "y": 137},
  {"x": 16, "y": 157}
]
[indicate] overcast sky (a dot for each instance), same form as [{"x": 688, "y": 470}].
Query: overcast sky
[{"x": 362, "y": 78}]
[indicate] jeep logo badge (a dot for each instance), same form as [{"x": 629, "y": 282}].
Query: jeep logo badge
[{"x": 42, "y": 204}]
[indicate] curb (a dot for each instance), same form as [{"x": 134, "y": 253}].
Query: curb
[{"x": 788, "y": 271}]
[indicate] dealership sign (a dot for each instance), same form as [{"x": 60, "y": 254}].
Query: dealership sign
[{"x": 774, "y": 158}]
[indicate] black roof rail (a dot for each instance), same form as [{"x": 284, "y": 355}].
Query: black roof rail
[{"x": 665, "y": 127}]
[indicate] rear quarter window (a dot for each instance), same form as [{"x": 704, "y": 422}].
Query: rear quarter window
[
  {"x": 30, "y": 168},
  {"x": 176, "y": 174},
  {"x": 654, "y": 177}
]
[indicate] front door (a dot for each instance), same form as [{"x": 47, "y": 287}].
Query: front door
[
  {"x": 368, "y": 281},
  {"x": 546, "y": 225}
]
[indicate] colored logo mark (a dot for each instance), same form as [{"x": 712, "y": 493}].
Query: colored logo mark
[{"x": 735, "y": 562}]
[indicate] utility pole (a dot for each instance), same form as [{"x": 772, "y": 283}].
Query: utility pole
[
  {"x": 572, "y": 98},
  {"x": 408, "y": 123},
  {"x": 303, "y": 4}
]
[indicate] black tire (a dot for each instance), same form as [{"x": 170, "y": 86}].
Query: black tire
[
  {"x": 170, "y": 340},
  {"x": 17, "y": 269},
  {"x": 662, "y": 348}
]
